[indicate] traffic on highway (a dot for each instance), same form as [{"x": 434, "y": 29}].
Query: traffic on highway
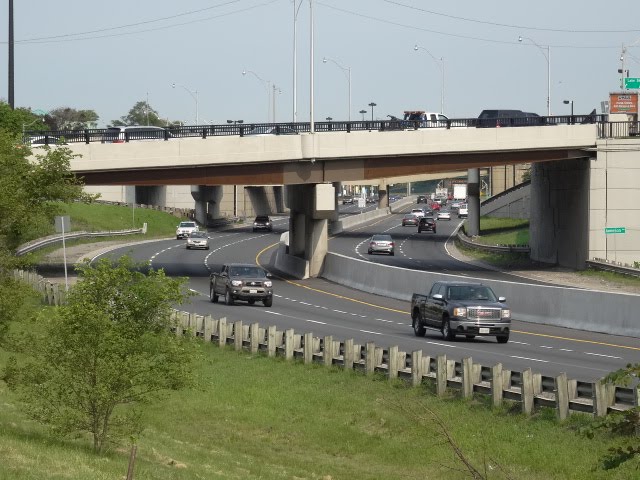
[{"x": 325, "y": 308}]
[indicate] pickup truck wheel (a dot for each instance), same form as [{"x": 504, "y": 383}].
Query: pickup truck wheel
[
  {"x": 447, "y": 333},
  {"x": 418, "y": 328},
  {"x": 228, "y": 299},
  {"x": 503, "y": 339},
  {"x": 212, "y": 295},
  {"x": 251, "y": 302},
  {"x": 268, "y": 301}
]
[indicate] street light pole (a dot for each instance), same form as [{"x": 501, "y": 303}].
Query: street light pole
[
  {"x": 347, "y": 72},
  {"x": 194, "y": 95},
  {"x": 547, "y": 56},
  {"x": 312, "y": 127},
  {"x": 362, "y": 112},
  {"x": 440, "y": 65},
  {"x": 267, "y": 85},
  {"x": 296, "y": 9},
  {"x": 372, "y": 105},
  {"x": 567, "y": 102}
]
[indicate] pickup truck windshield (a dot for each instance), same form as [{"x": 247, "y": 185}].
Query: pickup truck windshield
[
  {"x": 254, "y": 272},
  {"x": 466, "y": 292}
]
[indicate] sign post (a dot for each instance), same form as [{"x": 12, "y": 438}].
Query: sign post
[{"x": 62, "y": 224}]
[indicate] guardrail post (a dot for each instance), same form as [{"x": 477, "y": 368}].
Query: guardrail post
[
  {"x": 288, "y": 344},
  {"x": 271, "y": 341},
  {"x": 416, "y": 367},
  {"x": 204, "y": 133},
  {"x": 222, "y": 332},
  {"x": 348, "y": 354},
  {"x": 254, "y": 340},
  {"x": 441, "y": 375},
  {"x": 308, "y": 348},
  {"x": 496, "y": 385},
  {"x": 370, "y": 360},
  {"x": 467, "y": 377},
  {"x": 526, "y": 393},
  {"x": 237, "y": 335},
  {"x": 602, "y": 393},
  {"x": 86, "y": 136},
  {"x": 393, "y": 362},
  {"x": 327, "y": 351},
  {"x": 562, "y": 396},
  {"x": 348, "y": 127},
  {"x": 207, "y": 328}
]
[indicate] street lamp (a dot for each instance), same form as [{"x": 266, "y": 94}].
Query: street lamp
[
  {"x": 329, "y": 119},
  {"x": 547, "y": 56},
  {"x": 235, "y": 121},
  {"x": 194, "y": 95},
  {"x": 347, "y": 72},
  {"x": 440, "y": 64},
  {"x": 567, "y": 102},
  {"x": 372, "y": 105},
  {"x": 362, "y": 112},
  {"x": 267, "y": 85}
]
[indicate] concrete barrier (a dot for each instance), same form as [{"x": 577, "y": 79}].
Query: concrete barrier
[{"x": 590, "y": 310}]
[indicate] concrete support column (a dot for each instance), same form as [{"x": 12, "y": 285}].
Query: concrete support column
[
  {"x": 383, "y": 197},
  {"x": 316, "y": 244},
  {"x": 473, "y": 201},
  {"x": 207, "y": 202},
  {"x": 297, "y": 234}
]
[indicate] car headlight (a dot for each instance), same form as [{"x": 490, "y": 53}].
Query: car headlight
[
  {"x": 236, "y": 283},
  {"x": 460, "y": 312},
  {"x": 506, "y": 313},
  {"x": 255, "y": 223},
  {"x": 268, "y": 284}
]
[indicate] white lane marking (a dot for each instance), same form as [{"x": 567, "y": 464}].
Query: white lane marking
[
  {"x": 372, "y": 333},
  {"x": 565, "y": 350},
  {"x": 272, "y": 312},
  {"x": 531, "y": 359},
  {"x": 315, "y": 321},
  {"x": 383, "y": 320},
  {"x": 519, "y": 343},
  {"x": 297, "y": 318},
  {"x": 602, "y": 355},
  {"x": 339, "y": 311},
  {"x": 442, "y": 344},
  {"x": 545, "y": 346}
]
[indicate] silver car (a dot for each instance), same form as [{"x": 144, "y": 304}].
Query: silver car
[
  {"x": 198, "y": 239},
  {"x": 381, "y": 243},
  {"x": 185, "y": 229}
]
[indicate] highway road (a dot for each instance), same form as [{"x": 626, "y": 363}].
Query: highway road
[{"x": 324, "y": 308}]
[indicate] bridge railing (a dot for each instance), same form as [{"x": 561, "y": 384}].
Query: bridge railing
[{"x": 606, "y": 129}]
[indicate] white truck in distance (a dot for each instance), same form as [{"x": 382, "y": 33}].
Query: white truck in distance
[{"x": 460, "y": 191}]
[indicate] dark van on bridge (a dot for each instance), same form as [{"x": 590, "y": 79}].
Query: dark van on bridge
[{"x": 507, "y": 118}]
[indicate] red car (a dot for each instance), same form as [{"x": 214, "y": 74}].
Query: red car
[{"x": 409, "y": 219}]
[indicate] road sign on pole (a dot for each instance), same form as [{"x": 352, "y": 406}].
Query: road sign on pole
[
  {"x": 631, "y": 82},
  {"x": 610, "y": 230}
]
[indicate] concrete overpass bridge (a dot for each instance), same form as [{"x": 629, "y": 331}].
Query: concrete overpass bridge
[{"x": 581, "y": 183}]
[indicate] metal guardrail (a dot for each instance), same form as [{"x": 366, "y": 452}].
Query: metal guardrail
[
  {"x": 468, "y": 242},
  {"x": 605, "y": 129},
  {"x": 53, "y": 239},
  {"x": 617, "y": 267}
]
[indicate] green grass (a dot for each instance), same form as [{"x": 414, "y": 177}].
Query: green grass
[{"x": 258, "y": 418}]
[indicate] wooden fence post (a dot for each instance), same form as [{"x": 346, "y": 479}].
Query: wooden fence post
[
  {"x": 601, "y": 398},
  {"x": 348, "y": 354},
  {"x": 254, "y": 331},
  {"x": 526, "y": 393},
  {"x": 288, "y": 344},
  {"x": 327, "y": 351},
  {"x": 271, "y": 341},
  {"x": 207, "y": 328},
  {"x": 308, "y": 348},
  {"x": 416, "y": 368},
  {"x": 467, "y": 377},
  {"x": 370, "y": 360},
  {"x": 496, "y": 385},
  {"x": 237, "y": 335},
  {"x": 441, "y": 375},
  {"x": 222, "y": 332},
  {"x": 562, "y": 396},
  {"x": 393, "y": 362}
]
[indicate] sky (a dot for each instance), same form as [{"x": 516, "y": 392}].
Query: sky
[{"x": 108, "y": 56}]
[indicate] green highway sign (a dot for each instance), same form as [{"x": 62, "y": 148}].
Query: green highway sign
[
  {"x": 609, "y": 230},
  {"x": 632, "y": 82}
]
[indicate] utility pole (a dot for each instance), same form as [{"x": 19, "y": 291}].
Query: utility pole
[{"x": 11, "y": 44}]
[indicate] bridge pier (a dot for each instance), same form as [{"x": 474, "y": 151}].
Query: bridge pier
[
  {"x": 311, "y": 207},
  {"x": 473, "y": 202},
  {"x": 383, "y": 195},
  {"x": 207, "y": 202}
]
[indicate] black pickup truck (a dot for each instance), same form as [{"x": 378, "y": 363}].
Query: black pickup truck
[
  {"x": 240, "y": 281},
  {"x": 461, "y": 308}
]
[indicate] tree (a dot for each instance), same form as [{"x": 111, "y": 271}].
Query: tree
[
  {"x": 105, "y": 353},
  {"x": 21, "y": 119},
  {"x": 140, "y": 114},
  {"x": 65, "y": 118},
  {"x": 30, "y": 192}
]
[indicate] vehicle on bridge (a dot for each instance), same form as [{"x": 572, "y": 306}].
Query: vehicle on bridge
[
  {"x": 134, "y": 132},
  {"x": 461, "y": 308},
  {"x": 241, "y": 281}
]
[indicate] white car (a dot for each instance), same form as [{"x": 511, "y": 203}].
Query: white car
[
  {"x": 198, "y": 239},
  {"x": 444, "y": 216},
  {"x": 185, "y": 229},
  {"x": 418, "y": 212},
  {"x": 463, "y": 211}
]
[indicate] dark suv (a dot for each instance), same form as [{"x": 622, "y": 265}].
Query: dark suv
[
  {"x": 421, "y": 199},
  {"x": 262, "y": 222},
  {"x": 428, "y": 224}
]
